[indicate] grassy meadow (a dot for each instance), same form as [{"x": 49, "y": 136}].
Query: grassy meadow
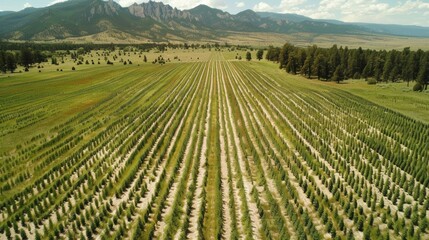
[{"x": 398, "y": 96}]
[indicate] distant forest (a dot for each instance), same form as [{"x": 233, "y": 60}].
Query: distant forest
[
  {"x": 338, "y": 64},
  {"x": 330, "y": 64}
]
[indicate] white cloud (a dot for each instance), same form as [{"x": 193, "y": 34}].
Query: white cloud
[
  {"x": 56, "y": 1},
  {"x": 262, "y": 7},
  {"x": 291, "y": 3},
  {"x": 127, "y": 3},
  {"x": 27, "y": 5},
  {"x": 240, "y": 4},
  {"x": 377, "y": 11}
]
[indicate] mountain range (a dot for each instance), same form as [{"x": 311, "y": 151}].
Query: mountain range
[{"x": 155, "y": 21}]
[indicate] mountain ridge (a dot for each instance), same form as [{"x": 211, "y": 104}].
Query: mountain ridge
[{"x": 157, "y": 21}]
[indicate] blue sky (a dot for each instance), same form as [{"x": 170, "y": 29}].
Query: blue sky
[{"x": 411, "y": 12}]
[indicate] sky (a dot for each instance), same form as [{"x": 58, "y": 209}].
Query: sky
[{"x": 409, "y": 12}]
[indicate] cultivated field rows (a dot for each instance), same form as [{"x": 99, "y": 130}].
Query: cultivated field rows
[{"x": 215, "y": 149}]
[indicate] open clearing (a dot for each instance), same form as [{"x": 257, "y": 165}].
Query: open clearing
[{"x": 209, "y": 147}]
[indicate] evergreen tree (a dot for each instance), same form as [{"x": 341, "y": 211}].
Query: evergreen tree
[
  {"x": 307, "y": 66},
  {"x": 388, "y": 66},
  {"x": 139, "y": 229},
  {"x": 273, "y": 54},
  {"x": 320, "y": 66},
  {"x": 286, "y": 50},
  {"x": 26, "y": 57},
  {"x": 248, "y": 56},
  {"x": 338, "y": 75},
  {"x": 408, "y": 66},
  {"x": 423, "y": 77},
  {"x": 291, "y": 66},
  {"x": 260, "y": 54},
  {"x": 367, "y": 71},
  {"x": 378, "y": 69},
  {"x": 334, "y": 59},
  {"x": 38, "y": 56},
  {"x": 10, "y": 62},
  {"x": 3, "y": 67}
]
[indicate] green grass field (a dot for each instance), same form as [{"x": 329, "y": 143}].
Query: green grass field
[
  {"x": 207, "y": 146},
  {"x": 398, "y": 96}
]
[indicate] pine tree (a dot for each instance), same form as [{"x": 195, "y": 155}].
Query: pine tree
[
  {"x": 139, "y": 229},
  {"x": 260, "y": 54},
  {"x": 26, "y": 57},
  {"x": 338, "y": 75},
  {"x": 273, "y": 54},
  {"x": 307, "y": 66},
  {"x": 10, "y": 62},
  {"x": 3, "y": 67},
  {"x": 291, "y": 66},
  {"x": 285, "y": 51},
  {"x": 320, "y": 66},
  {"x": 423, "y": 76},
  {"x": 248, "y": 56},
  {"x": 388, "y": 66}
]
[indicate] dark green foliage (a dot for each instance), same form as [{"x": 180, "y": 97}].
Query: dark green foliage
[
  {"x": 27, "y": 58},
  {"x": 10, "y": 62},
  {"x": 23, "y": 234},
  {"x": 360, "y": 224},
  {"x": 338, "y": 75},
  {"x": 248, "y": 56},
  {"x": 418, "y": 87},
  {"x": 273, "y": 54},
  {"x": 372, "y": 81},
  {"x": 423, "y": 76},
  {"x": 260, "y": 54},
  {"x": 338, "y": 64}
]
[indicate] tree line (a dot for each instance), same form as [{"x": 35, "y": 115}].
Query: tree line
[
  {"x": 338, "y": 64},
  {"x": 26, "y": 57}
]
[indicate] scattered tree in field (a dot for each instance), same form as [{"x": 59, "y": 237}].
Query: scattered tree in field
[
  {"x": 38, "y": 56},
  {"x": 260, "y": 54},
  {"x": 54, "y": 61},
  {"x": 26, "y": 57},
  {"x": 10, "y": 62},
  {"x": 248, "y": 56}
]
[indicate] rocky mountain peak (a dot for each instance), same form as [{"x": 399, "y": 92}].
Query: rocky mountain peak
[
  {"x": 101, "y": 8},
  {"x": 158, "y": 11}
]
